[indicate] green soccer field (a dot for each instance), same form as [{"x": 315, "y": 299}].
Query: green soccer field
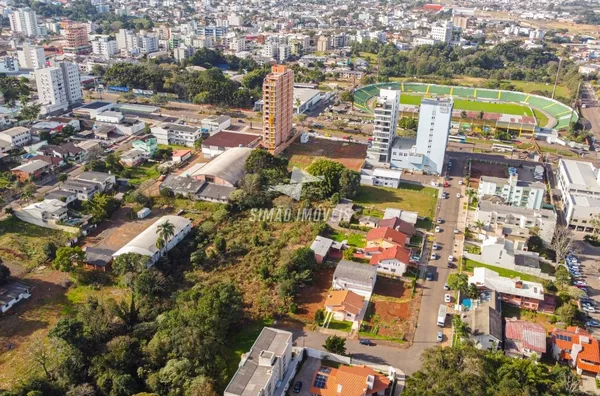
[{"x": 471, "y": 105}]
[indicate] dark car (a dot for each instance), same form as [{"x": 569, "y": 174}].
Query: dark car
[
  {"x": 429, "y": 276},
  {"x": 297, "y": 387},
  {"x": 364, "y": 341}
]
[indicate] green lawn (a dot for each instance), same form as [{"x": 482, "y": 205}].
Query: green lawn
[
  {"x": 471, "y": 264},
  {"x": 541, "y": 118},
  {"x": 423, "y": 202},
  {"x": 340, "y": 325},
  {"x": 242, "y": 341},
  {"x": 354, "y": 239},
  {"x": 529, "y": 86},
  {"x": 472, "y": 105},
  {"x": 143, "y": 172}
]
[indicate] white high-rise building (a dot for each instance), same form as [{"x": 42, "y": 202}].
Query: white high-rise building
[
  {"x": 31, "y": 57},
  {"x": 235, "y": 20},
  {"x": 385, "y": 124},
  {"x": 148, "y": 43},
  {"x": 284, "y": 52},
  {"x": 442, "y": 32},
  {"x": 58, "y": 87},
  {"x": 426, "y": 152},
  {"x": 104, "y": 47},
  {"x": 238, "y": 44},
  {"x": 24, "y": 21}
]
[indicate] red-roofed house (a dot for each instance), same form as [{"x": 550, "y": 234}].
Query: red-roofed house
[
  {"x": 398, "y": 225},
  {"x": 344, "y": 304},
  {"x": 386, "y": 237},
  {"x": 578, "y": 348},
  {"x": 393, "y": 260},
  {"x": 348, "y": 381},
  {"x": 181, "y": 155},
  {"x": 524, "y": 339}
]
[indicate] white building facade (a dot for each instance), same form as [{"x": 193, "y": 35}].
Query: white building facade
[
  {"x": 579, "y": 184},
  {"x": 24, "y": 21},
  {"x": 385, "y": 125},
  {"x": 58, "y": 87}
]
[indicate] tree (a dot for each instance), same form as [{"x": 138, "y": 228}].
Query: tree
[
  {"x": 562, "y": 242},
  {"x": 165, "y": 232},
  {"x": 129, "y": 262},
  {"x": 62, "y": 177},
  {"x": 68, "y": 257},
  {"x": 220, "y": 244},
  {"x": 458, "y": 282},
  {"x": 461, "y": 329},
  {"x": 335, "y": 344},
  {"x": 595, "y": 222},
  {"x": 349, "y": 183},
  {"x": 68, "y": 130},
  {"x": 347, "y": 96},
  {"x": 30, "y": 112},
  {"x": 348, "y": 254},
  {"x": 127, "y": 97},
  {"x": 319, "y": 316},
  {"x": 566, "y": 313},
  {"x": 159, "y": 100},
  {"x": 198, "y": 258},
  {"x": 100, "y": 207},
  {"x": 563, "y": 278},
  {"x": 150, "y": 283}
]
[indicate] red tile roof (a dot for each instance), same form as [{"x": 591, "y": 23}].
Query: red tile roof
[
  {"x": 398, "y": 252},
  {"x": 351, "y": 379},
  {"x": 399, "y": 225},
  {"x": 531, "y": 335},
  {"x": 389, "y": 234},
  {"x": 590, "y": 348}
]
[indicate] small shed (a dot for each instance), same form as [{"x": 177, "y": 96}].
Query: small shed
[{"x": 143, "y": 213}]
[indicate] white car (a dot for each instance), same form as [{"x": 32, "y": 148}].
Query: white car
[
  {"x": 440, "y": 336},
  {"x": 447, "y": 298},
  {"x": 456, "y": 231},
  {"x": 438, "y": 229},
  {"x": 435, "y": 246},
  {"x": 446, "y": 287},
  {"x": 457, "y": 195},
  {"x": 580, "y": 283},
  {"x": 450, "y": 258},
  {"x": 589, "y": 308},
  {"x": 433, "y": 256}
]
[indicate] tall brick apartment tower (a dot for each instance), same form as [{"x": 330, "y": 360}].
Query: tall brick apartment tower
[{"x": 278, "y": 107}]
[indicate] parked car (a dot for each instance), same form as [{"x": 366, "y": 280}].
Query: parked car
[
  {"x": 589, "y": 308},
  {"x": 439, "y": 220},
  {"x": 447, "y": 298},
  {"x": 366, "y": 342},
  {"x": 429, "y": 276},
  {"x": 435, "y": 246},
  {"x": 580, "y": 283},
  {"x": 456, "y": 231},
  {"x": 440, "y": 336},
  {"x": 592, "y": 323},
  {"x": 433, "y": 256},
  {"x": 450, "y": 258},
  {"x": 457, "y": 195},
  {"x": 438, "y": 229},
  {"x": 446, "y": 287},
  {"x": 460, "y": 182}
]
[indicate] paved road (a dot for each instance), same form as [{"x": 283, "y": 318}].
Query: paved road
[
  {"x": 592, "y": 110},
  {"x": 408, "y": 360}
]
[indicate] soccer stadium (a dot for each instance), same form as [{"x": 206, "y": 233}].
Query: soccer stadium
[{"x": 513, "y": 111}]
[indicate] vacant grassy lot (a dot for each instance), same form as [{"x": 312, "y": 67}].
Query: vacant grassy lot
[
  {"x": 143, "y": 172},
  {"x": 242, "y": 341},
  {"x": 471, "y": 264},
  {"x": 351, "y": 155},
  {"x": 340, "y": 325},
  {"x": 417, "y": 199},
  {"x": 354, "y": 239},
  {"x": 24, "y": 243}
]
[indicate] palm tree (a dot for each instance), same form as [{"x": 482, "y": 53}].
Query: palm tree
[
  {"x": 461, "y": 329},
  {"x": 164, "y": 231},
  {"x": 479, "y": 225}
]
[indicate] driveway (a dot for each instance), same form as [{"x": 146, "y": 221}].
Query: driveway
[{"x": 306, "y": 374}]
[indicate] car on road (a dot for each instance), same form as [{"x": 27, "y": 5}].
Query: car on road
[
  {"x": 429, "y": 276},
  {"x": 438, "y": 229},
  {"x": 435, "y": 246},
  {"x": 456, "y": 231},
  {"x": 440, "y": 336},
  {"x": 580, "y": 283},
  {"x": 446, "y": 287},
  {"x": 457, "y": 195},
  {"x": 582, "y": 287},
  {"x": 415, "y": 258},
  {"x": 447, "y": 298},
  {"x": 365, "y": 341},
  {"x": 460, "y": 182},
  {"x": 451, "y": 259},
  {"x": 439, "y": 220},
  {"x": 297, "y": 387},
  {"x": 592, "y": 323},
  {"x": 433, "y": 256},
  {"x": 589, "y": 308},
  {"x": 576, "y": 274}
]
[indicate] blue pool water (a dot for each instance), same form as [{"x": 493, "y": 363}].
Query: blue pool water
[{"x": 467, "y": 303}]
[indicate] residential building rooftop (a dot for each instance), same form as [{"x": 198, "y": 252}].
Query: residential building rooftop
[
  {"x": 580, "y": 175},
  {"x": 360, "y": 274},
  {"x": 492, "y": 280}
]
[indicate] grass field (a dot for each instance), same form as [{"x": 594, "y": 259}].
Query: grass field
[
  {"x": 145, "y": 171},
  {"x": 541, "y": 118},
  {"x": 24, "y": 242},
  {"x": 417, "y": 199},
  {"x": 340, "y": 325},
  {"x": 354, "y": 239},
  {"x": 242, "y": 341},
  {"x": 471, "y": 264},
  {"x": 471, "y": 105}
]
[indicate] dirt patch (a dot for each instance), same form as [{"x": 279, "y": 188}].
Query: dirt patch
[
  {"x": 391, "y": 288},
  {"x": 351, "y": 155},
  {"x": 312, "y": 297},
  {"x": 479, "y": 169}
]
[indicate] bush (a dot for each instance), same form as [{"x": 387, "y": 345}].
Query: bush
[{"x": 592, "y": 240}]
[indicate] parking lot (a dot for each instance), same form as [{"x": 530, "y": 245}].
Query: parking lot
[
  {"x": 306, "y": 375},
  {"x": 589, "y": 272}
]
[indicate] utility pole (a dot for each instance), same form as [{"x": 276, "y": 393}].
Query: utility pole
[
  {"x": 556, "y": 78},
  {"x": 573, "y": 109}
]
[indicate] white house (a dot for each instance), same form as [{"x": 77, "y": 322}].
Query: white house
[
  {"x": 356, "y": 277},
  {"x": 216, "y": 123},
  {"x": 17, "y": 136},
  {"x": 168, "y": 133},
  {"x": 12, "y": 293},
  {"x": 145, "y": 243},
  {"x": 579, "y": 183},
  {"x": 106, "y": 181},
  {"x": 344, "y": 305}
]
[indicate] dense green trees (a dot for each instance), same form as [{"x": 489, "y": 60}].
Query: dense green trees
[
  {"x": 336, "y": 179},
  {"x": 335, "y": 344},
  {"x": 67, "y": 258},
  {"x": 100, "y": 207},
  {"x": 469, "y": 371}
]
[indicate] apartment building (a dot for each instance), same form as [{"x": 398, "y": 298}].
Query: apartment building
[
  {"x": 442, "y": 31},
  {"x": 168, "y": 133},
  {"x": 385, "y": 124},
  {"x": 278, "y": 102},
  {"x": 31, "y": 56},
  {"x": 262, "y": 370},
  {"x": 496, "y": 216},
  {"x": 516, "y": 190},
  {"x": 58, "y": 87},
  {"x": 16, "y": 137},
  {"x": 104, "y": 47},
  {"x": 76, "y": 35},
  {"x": 323, "y": 44},
  {"x": 579, "y": 184},
  {"x": 24, "y": 21}
]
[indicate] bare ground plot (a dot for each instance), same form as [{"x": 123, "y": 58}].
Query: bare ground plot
[
  {"x": 312, "y": 297},
  {"x": 351, "y": 155},
  {"x": 122, "y": 228},
  {"x": 479, "y": 169},
  {"x": 390, "y": 311}
]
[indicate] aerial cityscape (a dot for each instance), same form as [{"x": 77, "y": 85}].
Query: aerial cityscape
[{"x": 321, "y": 198}]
